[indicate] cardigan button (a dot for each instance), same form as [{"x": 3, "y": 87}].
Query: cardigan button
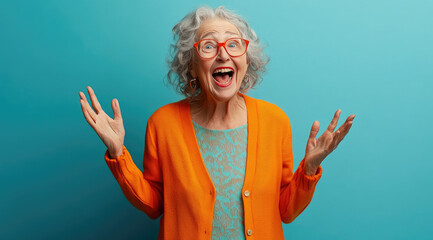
[
  {"x": 247, "y": 193},
  {"x": 249, "y": 232}
]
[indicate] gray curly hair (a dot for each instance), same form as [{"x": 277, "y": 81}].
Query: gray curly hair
[{"x": 182, "y": 52}]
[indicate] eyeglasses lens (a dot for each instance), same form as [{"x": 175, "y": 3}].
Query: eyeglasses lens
[{"x": 209, "y": 48}]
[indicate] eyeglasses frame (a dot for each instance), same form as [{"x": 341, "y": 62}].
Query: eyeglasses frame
[{"x": 221, "y": 44}]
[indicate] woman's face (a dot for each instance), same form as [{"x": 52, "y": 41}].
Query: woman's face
[{"x": 220, "y": 87}]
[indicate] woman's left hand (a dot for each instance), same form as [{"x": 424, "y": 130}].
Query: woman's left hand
[{"x": 318, "y": 149}]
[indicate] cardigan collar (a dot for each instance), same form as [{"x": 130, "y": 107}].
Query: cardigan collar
[{"x": 195, "y": 155}]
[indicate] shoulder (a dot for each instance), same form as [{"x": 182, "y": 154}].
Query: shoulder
[
  {"x": 169, "y": 113},
  {"x": 271, "y": 119},
  {"x": 268, "y": 111}
]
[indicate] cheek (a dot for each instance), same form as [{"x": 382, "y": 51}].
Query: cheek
[
  {"x": 243, "y": 67},
  {"x": 201, "y": 67},
  {"x": 204, "y": 69},
  {"x": 203, "y": 73}
]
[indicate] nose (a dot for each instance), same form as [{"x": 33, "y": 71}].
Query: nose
[{"x": 222, "y": 54}]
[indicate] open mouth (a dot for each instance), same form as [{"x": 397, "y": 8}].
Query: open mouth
[{"x": 223, "y": 76}]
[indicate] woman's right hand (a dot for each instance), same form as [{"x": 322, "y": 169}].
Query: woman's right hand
[{"x": 110, "y": 131}]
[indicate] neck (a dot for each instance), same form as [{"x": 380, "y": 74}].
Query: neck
[{"x": 213, "y": 114}]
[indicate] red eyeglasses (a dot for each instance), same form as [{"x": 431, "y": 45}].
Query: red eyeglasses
[{"x": 209, "y": 48}]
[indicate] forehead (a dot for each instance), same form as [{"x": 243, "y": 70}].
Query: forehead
[{"x": 217, "y": 28}]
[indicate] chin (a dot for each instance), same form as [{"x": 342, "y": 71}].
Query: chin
[{"x": 224, "y": 93}]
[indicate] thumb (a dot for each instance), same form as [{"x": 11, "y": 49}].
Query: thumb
[
  {"x": 116, "y": 110},
  {"x": 312, "y": 138},
  {"x": 314, "y": 130}
]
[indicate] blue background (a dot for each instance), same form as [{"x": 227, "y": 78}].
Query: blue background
[{"x": 372, "y": 58}]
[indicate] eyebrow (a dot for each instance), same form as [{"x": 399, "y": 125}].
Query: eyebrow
[{"x": 226, "y": 33}]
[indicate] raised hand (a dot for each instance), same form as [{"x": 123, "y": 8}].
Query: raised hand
[
  {"x": 318, "y": 149},
  {"x": 110, "y": 131}
]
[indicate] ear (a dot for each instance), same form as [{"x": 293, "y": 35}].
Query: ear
[
  {"x": 193, "y": 73},
  {"x": 192, "y": 70}
]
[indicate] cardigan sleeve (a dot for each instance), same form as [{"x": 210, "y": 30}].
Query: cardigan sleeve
[
  {"x": 143, "y": 189},
  {"x": 296, "y": 190}
]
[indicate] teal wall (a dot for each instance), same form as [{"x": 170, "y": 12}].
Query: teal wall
[{"x": 372, "y": 58}]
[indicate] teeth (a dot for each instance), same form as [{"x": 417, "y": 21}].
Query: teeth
[{"x": 223, "y": 70}]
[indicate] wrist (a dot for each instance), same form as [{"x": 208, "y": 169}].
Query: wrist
[
  {"x": 310, "y": 168},
  {"x": 115, "y": 154}
]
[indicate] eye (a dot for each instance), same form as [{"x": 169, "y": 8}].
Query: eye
[
  {"x": 208, "y": 45},
  {"x": 233, "y": 43}
]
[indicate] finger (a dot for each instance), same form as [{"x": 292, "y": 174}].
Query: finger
[
  {"x": 116, "y": 110},
  {"x": 95, "y": 102},
  {"x": 339, "y": 135},
  {"x": 83, "y": 97},
  {"x": 314, "y": 130},
  {"x": 343, "y": 127},
  {"x": 86, "y": 107},
  {"x": 334, "y": 121},
  {"x": 87, "y": 115},
  {"x": 342, "y": 131}
]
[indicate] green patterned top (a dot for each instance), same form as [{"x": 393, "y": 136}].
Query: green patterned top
[{"x": 224, "y": 153}]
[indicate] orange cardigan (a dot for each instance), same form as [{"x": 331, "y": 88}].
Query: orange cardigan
[{"x": 175, "y": 182}]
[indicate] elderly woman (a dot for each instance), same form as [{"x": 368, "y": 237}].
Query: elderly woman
[{"x": 218, "y": 164}]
